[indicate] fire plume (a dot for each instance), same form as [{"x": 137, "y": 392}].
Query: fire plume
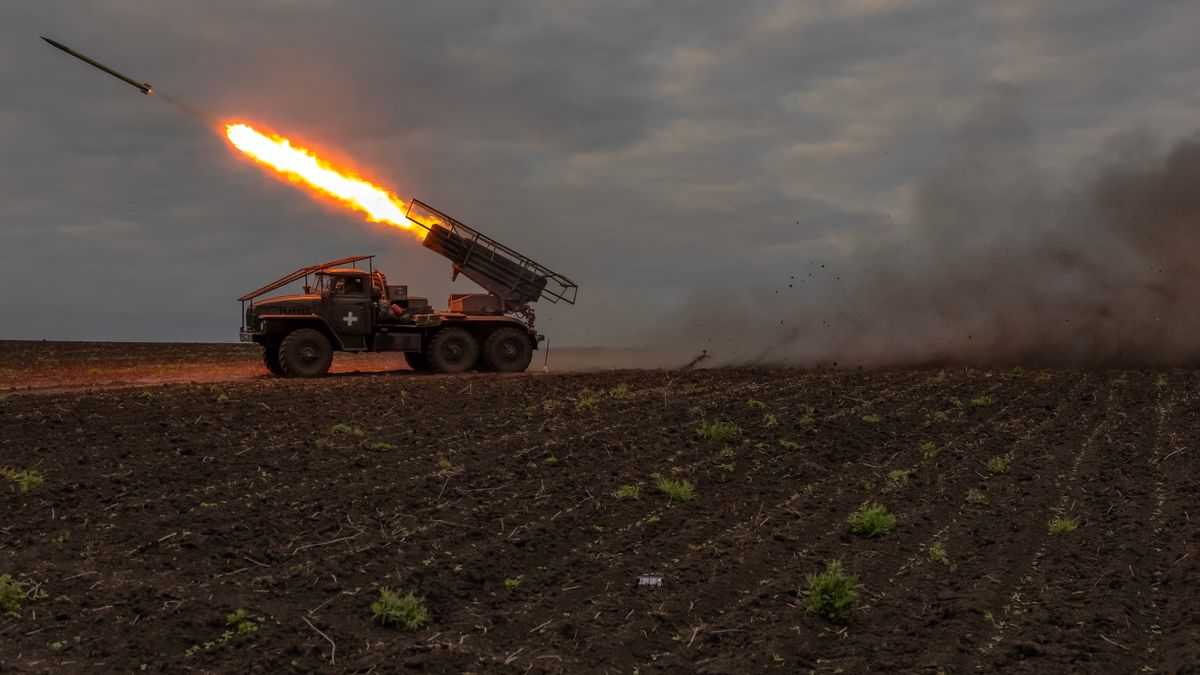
[{"x": 303, "y": 166}]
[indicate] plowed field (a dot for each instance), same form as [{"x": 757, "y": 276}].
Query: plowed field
[{"x": 165, "y": 509}]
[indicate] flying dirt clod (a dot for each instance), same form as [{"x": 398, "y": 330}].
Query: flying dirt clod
[{"x": 144, "y": 87}]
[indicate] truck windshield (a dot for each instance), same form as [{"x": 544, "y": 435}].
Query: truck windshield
[{"x": 321, "y": 284}]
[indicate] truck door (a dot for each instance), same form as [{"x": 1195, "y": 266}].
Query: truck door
[{"x": 348, "y": 310}]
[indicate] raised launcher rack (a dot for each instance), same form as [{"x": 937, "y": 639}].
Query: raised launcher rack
[{"x": 503, "y": 272}]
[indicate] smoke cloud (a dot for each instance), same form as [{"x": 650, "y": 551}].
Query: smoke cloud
[{"x": 996, "y": 268}]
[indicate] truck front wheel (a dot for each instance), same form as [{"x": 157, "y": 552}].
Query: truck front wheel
[
  {"x": 305, "y": 352},
  {"x": 452, "y": 350},
  {"x": 271, "y": 358},
  {"x": 507, "y": 350}
]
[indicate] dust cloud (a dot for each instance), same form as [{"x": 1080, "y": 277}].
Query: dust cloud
[{"x": 997, "y": 269}]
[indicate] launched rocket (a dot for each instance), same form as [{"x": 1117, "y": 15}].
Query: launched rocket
[{"x": 144, "y": 87}]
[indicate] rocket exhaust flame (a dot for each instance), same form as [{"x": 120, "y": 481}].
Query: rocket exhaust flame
[{"x": 301, "y": 165}]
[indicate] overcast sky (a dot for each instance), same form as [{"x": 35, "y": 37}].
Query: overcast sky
[{"x": 652, "y": 151}]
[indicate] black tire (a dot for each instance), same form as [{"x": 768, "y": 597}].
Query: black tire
[
  {"x": 417, "y": 361},
  {"x": 305, "y": 352},
  {"x": 507, "y": 350},
  {"x": 271, "y": 358},
  {"x": 452, "y": 350}
]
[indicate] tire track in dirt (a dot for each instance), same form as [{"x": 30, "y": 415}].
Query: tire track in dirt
[
  {"x": 1071, "y": 613},
  {"x": 1171, "y": 644}
]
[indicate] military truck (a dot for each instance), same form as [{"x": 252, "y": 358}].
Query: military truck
[{"x": 345, "y": 307}]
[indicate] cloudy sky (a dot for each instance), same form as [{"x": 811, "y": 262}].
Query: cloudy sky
[{"x": 659, "y": 153}]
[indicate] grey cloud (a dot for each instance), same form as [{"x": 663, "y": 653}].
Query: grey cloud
[{"x": 653, "y": 151}]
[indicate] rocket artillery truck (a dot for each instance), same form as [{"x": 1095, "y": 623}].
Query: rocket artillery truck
[{"x": 349, "y": 308}]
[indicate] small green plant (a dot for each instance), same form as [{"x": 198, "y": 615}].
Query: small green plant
[
  {"x": 676, "y": 490},
  {"x": 399, "y": 611},
  {"x": 928, "y": 449},
  {"x": 770, "y": 420},
  {"x": 444, "y": 464},
  {"x": 975, "y": 496},
  {"x": 551, "y": 405},
  {"x": 628, "y": 492},
  {"x": 937, "y": 553},
  {"x": 788, "y": 445},
  {"x": 25, "y": 480},
  {"x": 1063, "y": 525},
  {"x": 896, "y": 479},
  {"x": 620, "y": 392},
  {"x": 721, "y": 432},
  {"x": 241, "y": 623},
  {"x": 551, "y": 460},
  {"x": 1161, "y": 382},
  {"x": 872, "y": 419},
  {"x": 755, "y": 404},
  {"x": 871, "y": 520},
  {"x": 11, "y": 594},
  {"x": 587, "y": 400},
  {"x": 982, "y": 400},
  {"x": 381, "y": 447},
  {"x": 999, "y": 464},
  {"x": 513, "y": 583},
  {"x": 345, "y": 430},
  {"x": 808, "y": 417},
  {"x": 832, "y": 593}
]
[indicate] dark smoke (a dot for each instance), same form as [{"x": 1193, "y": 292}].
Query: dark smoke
[{"x": 996, "y": 270}]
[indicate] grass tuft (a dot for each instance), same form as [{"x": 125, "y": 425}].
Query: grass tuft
[
  {"x": 928, "y": 449},
  {"x": 241, "y": 622},
  {"x": 975, "y": 496},
  {"x": 721, "y": 432},
  {"x": 381, "y": 447},
  {"x": 628, "y": 492},
  {"x": 871, "y": 520},
  {"x": 1063, "y": 525},
  {"x": 345, "y": 430},
  {"x": 25, "y": 480},
  {"x": 676, "y": 490},
  {"x": 832, "y": 593},
  {"x": 587, "y": 400},
  {"x": 11, "y": 594},
  {"x": 620, "y": 392},
  {"x": 999, "y": 464},
  {"x": 399, "y": 611},
  {"x": 897, "y": 479},
  {"x": 937, "y": 553}
]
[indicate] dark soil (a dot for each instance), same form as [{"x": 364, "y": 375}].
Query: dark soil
[{"x": 167, "y": 508}]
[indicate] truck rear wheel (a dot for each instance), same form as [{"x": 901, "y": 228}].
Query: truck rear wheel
[
  {"x": 417, "y": 361},
  {"x": 305, "y": 352},
  {"x": 507, "y": 350},
  {"x": 452, "y": 350},
  {"x": 271, "y": 358}
]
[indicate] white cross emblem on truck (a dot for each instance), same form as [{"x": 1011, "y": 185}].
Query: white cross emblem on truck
[{"x": 350, "y": 319}]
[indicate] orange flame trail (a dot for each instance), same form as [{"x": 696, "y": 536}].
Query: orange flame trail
[{"x": 302, "y": 165}]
